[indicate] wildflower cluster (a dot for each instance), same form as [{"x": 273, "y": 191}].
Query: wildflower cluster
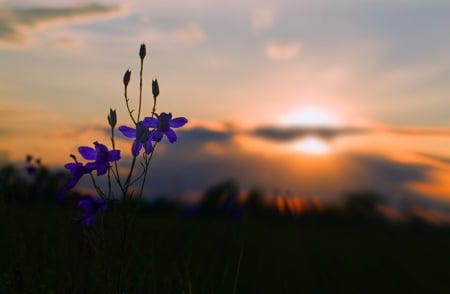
[{"x": 147, "y": 132}]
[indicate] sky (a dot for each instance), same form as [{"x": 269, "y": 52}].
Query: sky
[{"x": 311, "y": 98}]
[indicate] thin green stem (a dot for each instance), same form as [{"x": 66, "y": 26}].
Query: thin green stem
[
  {"x": 154, "y": 106},
  {"x": 116, "y": 173},
  {"x": 130, "y": 112},
  {"x": 109, "y": 183},
  {"x": 140, "y": 90},
  {"x": 127, "y": 182},
  {"x": 147, "y": 163},
  {"x": 97, "y": 188}
]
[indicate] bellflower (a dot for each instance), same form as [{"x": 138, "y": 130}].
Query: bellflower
[
  {"x": 77, "y": 170},
  {"x": 101, "y": 155},
  {"x": 90, "y": 206},
  {"x": 163, "y": 125},
  {"x": 141, "y": 135}
]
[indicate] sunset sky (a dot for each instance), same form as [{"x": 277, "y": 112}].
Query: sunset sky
[{"x": 313, "y": 98}]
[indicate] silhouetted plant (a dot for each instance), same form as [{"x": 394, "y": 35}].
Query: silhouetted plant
[{"x": 147, "y": 133}]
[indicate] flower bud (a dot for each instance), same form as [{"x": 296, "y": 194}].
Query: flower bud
[
  {"x": 155, "y": 88},
  {"x": 142, "y": 51},
  {"x": 126, "y": 78},
  {"x": 112, "y": 118}
]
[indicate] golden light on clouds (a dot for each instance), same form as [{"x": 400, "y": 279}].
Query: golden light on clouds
[{"x": 310, "y": 145}]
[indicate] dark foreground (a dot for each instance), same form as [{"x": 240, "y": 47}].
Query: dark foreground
[{"x": 167, "y": 251}]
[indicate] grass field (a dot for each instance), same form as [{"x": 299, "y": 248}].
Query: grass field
[{"x": 164, "y": 251}]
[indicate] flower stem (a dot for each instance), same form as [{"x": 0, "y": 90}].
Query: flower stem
[
  {"x": 140, "y": 90},
  {"x": 130, "y": 112}
]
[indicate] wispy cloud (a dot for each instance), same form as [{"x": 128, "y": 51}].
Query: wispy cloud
[
  {"x": 287, "y": 134},
  {"x": 16, "y": 24},
  {"x": 282, "y": 50}
]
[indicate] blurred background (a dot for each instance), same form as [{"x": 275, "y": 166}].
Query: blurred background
[{"x": 301, "y": 99}]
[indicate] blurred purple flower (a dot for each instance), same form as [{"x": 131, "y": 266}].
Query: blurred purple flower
[
  {"x": 163, "y": 125},
  {"x": 90, "y": 206},
  {"x": 141, "y": 135},
  {"x": 101, "y": 155},
  {"x": 30, "y": 169},
  {"x": 77, "y": 170}
]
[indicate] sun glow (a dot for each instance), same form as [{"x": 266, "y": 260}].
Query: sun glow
[
  {"x": 309, "y": 116},
  {"x": 311, "y": 145}
]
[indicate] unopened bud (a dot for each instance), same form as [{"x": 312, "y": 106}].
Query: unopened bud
[
  {"x": 112, "y": 118},
  {"x": 155, "y": 88},
  {"x": 142, "y": 51},
  {"x": 126, "y": 78}
]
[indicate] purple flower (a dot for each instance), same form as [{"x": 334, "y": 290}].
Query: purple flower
[
  {"x": 30, "y": 169},
  {"x": 141, "y": 135},
  {"x": 90, "y": 206},
  {"x": 163, "y": 125},
  {"x": 77, "y": 170},
  {"x": 101, "y": 155}
]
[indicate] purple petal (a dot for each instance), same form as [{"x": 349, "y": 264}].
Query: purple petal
[
  {"x": 127, "y": 131},
  {"x": 71, "y": 166},
  {"x": 87, "y": 152},
  {"x": 165, "y": 116},
  {"x": 136, "y": 148},
  {"x": 100, "y": 147},
  {"x": 86, "y": 203},
  {"x": 88, "y": 220},
  {"x": 156, "y": 136},
  {"x": 171, "y": 136},
  {"x": 72, "y": 183},
  {"x": 102, "y": 167},
  {"x": 148, "y": 147},
  {"x": 178, "y": 122},
  {"x": 142, "y": 132},
  {"x": 77, "y": 170},
  {"x": 113, "y": 155},
  {"x": 90, "y": 166},
  {"x": 150, "y": 122}
]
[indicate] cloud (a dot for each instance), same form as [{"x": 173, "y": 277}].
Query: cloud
[
  {"x": 285, "y": 134},
  {"x": 439, "y": 132},
  {"x": 204, "y": 135},
  {"x": 16, "y": 23},
  {"x": 441, "y": 159},
  {"x": 282, "y": 50}
]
